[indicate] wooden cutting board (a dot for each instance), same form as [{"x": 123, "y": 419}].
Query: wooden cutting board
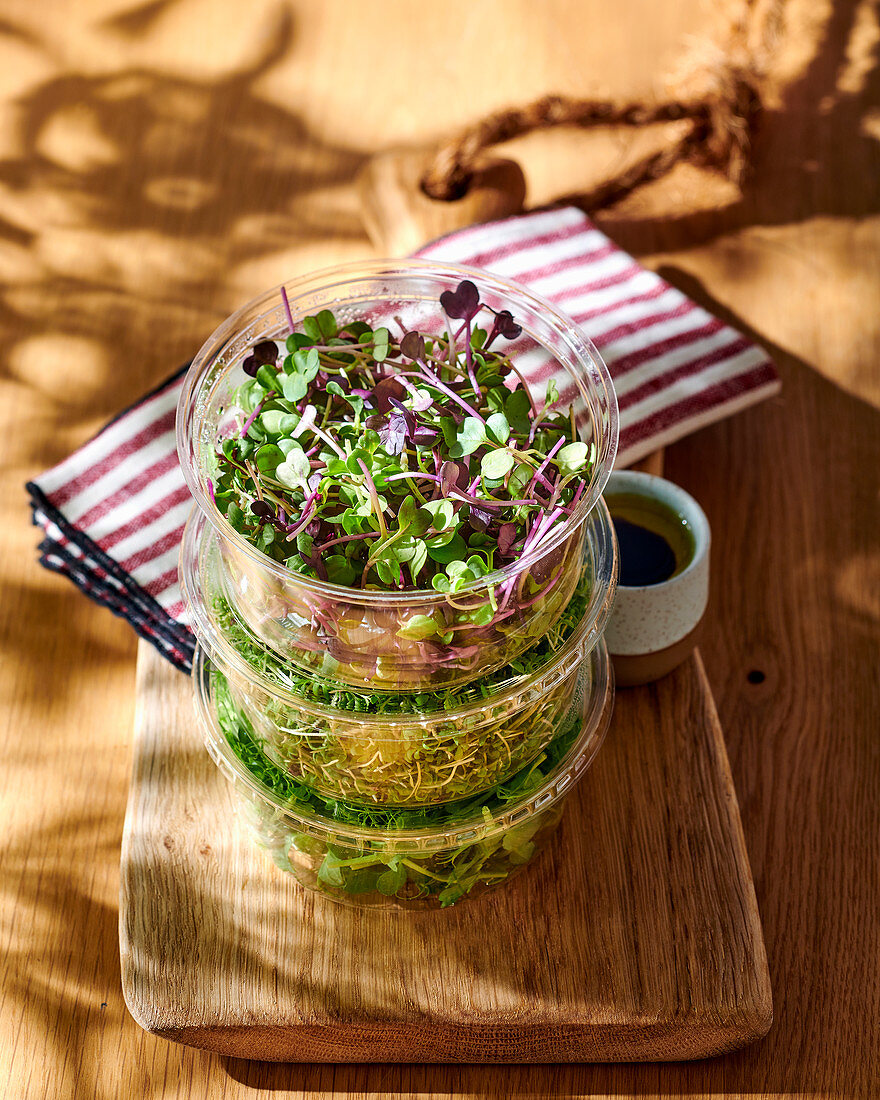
[{"x": 635, "y": 936}]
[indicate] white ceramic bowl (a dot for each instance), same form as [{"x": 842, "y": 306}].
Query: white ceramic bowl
[{"x": 654, "y": 627}]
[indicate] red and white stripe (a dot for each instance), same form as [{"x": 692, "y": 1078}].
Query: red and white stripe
[
  {"x": 675, "y": 367},
  {"x": 124, "y": 489}
]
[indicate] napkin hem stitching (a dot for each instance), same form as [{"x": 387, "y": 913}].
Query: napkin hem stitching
[{"x": 130, "y": 601}]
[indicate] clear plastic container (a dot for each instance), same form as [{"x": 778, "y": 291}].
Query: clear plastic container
[
  {"x": 401, "y": 640},
  {"x": 402, "y": 859},
  {"x": 405, "y": 750}
]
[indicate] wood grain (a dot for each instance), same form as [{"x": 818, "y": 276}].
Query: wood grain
[
  {"x": 162, "y": 163},
  {"x": 400, "y": 217},
  {"x": 635, "y": 936}
]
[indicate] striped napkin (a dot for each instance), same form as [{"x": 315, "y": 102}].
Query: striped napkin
[{"x": 113, "y": 512}]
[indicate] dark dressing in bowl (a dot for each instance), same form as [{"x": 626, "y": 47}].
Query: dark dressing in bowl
[{"x": 655, "y": 541}]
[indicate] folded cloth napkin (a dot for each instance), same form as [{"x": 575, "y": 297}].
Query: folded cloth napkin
[{"x": 113, "y": 512}]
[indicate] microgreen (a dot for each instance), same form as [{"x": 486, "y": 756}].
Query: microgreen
[
  {"x": 404, "y": 761},
  {"x": 437, "y": 876},
  {"x": 462, "y": 303},
  {"x": 343, "y": 429}
]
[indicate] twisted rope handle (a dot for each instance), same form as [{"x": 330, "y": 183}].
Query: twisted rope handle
[{"x": 723, "y": 115}]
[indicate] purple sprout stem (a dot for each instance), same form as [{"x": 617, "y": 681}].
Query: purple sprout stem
[
  {"x": 508, "y": 588},
  {"x": 469, "y": 358},
  {"x": 433, "y": 380},
  {"x": 532, "y": 540},
  {"x": 374, "y": 497},
  {"x": 508, "y": 503},
  {"x": 211, "y": 491},
  {"x": 294, "y": 529},
  {"x": 315, "y": 430},
  {"x": 556, "y": 446},
  {"x": 534, "y": 534},
  {"x": 255, "y": 414},
  {"x": 544, "y": 591},
  {"x": 495, "y": 619},
  {"x": 577, "y": 496},
  {"x": 287, "y": 310},
  {"x": 303, "y": 523},
  {"x": 465, "y": 498},
  {"x": 346, "y": 538},
  {"x": 558, "y": 490},
  {"x": 411, "y": 475},
  {"x": 453, "y": 353},
  {"x": 548, "y": 485},
  {"x": 541, "y": 530}
]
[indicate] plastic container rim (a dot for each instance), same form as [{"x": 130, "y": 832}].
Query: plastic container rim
[
  {"x": 559, "y": 783},
  {"x": 223, "y": 653},
  {"x": 579, "y": 345}
]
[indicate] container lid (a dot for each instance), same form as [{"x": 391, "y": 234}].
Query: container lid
[{"x": 537, "y": 787}]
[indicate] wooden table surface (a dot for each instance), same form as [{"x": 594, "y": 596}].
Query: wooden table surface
[{"x": 161, "y": 162}]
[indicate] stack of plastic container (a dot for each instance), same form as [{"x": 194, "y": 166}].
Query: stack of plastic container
[{"x": 380, "y": 768}]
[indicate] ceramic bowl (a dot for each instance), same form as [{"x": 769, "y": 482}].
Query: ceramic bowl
[{"x": 654, "y": 627}]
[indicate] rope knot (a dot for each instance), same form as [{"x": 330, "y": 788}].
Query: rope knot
[{"x": 722, "y": 101}]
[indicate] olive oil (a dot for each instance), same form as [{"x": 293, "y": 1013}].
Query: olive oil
[{"x": 655, "y": 541}]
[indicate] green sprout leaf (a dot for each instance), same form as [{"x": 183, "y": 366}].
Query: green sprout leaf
[
  {"x": 455, "y": 548},
  {"x": 267, "y": 377},
  {"x": 339, "y": 570},
  {"x": 294, "y": 386},
  {"x": 517, "y": 408},
  {"x": 470, "y": 435},
  {"x": 442, "y": 513},
  {"x": 392, "y": 880},
  {"x": 268, "y": 458},
  {"x": 496, "y": 464},
  {"x": 380, "y": 344},
  {"x": 497, "y": 428},
  {"x": 326, "y": 324},
  {"x": 297, "y": 340},
  {"x": 572, "y": 457},
  {"x": 307, "y": 363},
  {"x": 235, "y": 517},
  {"x": 294, "y": 470},
  {"x": 418, "y": 627}
]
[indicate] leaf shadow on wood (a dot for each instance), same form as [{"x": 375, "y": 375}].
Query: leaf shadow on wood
[
  {"x": 45, "y": 622},
  {"x": 128, "y": 203}
]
